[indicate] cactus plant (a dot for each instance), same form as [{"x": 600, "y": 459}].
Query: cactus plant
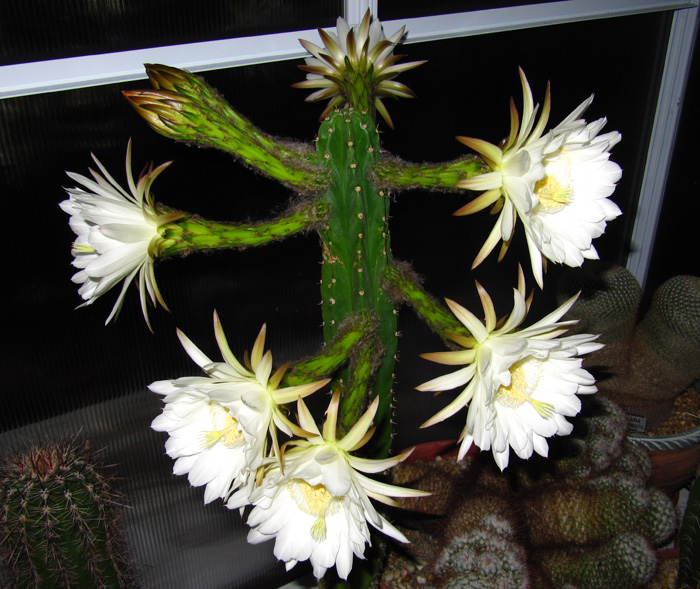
[
  {"x": 645, "y": 364},
  {"x": 343, "y": 186},
  {"x": 577, "y": 521},
  {"x": 59, "y": 526}
]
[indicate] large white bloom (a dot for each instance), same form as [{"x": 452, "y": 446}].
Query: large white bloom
[
  {"x": 117, "y": 234},
  {"x": 218, "y": 424},
  {"x": 317, "y": 506},
  {"x": 361, "y": 52},
  {"x": 520, "y": 384},
  {"x": 557, "y": 184}
]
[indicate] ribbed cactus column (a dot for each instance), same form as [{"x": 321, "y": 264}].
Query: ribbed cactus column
[
  {"x": 59, "y": 523},
  {"x": 355, "y": 253}
]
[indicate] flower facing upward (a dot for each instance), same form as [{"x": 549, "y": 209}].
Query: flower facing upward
[
  {"x": 316, "y": 504},
  {"x": 520, "y": 384},
  {"x": 118, "y": 234},
  {"x": 557, "y": 184},
  {"x": 355, "y": 68},
  {"x": 219, "y": 423}
]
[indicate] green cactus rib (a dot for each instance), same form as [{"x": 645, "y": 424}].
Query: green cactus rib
[
  {"x": 356, "y": 250},
  {"x": 190, "y": 233},
  {"x": 391, "y": 172}
]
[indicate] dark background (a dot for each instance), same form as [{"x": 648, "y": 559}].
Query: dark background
[{"x": 64, "y": 366}]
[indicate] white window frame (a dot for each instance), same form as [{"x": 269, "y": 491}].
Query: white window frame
[{"x": 93, "y": 70}]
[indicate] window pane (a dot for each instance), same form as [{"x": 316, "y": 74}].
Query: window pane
[
  {"x": 395, "y": 9},
  {"x": 35, "y": 31}
]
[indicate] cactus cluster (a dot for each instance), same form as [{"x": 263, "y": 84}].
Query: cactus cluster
[
  {"x": 646, "y": 364},
  {"x": 59, "y": 526},
  {"x": 585, "y": 519}
]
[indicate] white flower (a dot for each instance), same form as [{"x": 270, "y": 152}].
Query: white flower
[
  {"x": 317, "y": 506},
  {"x": 219, "y": 424},
  {"x": 356, "y": 67},
  {"x": 520, "y": 384},
  {"x": 557, "y": 184},
  {"x": 117, "y": 234},
  {"x": 571, "y": 204}
]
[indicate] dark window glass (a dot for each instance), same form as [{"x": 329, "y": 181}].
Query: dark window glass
[
  {"x": 394, "y": 9},
  {"x": 37, "y": 30}
]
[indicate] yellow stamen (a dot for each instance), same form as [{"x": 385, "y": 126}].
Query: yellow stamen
[
  {"x": 522, "y": 385},
  {"x": 552, "y": 195},
  {"x": 229, "y": 435}
]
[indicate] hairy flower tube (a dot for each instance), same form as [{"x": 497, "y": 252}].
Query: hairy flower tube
[
  {"x": 316, "y": 503},
  {"x": 557, "y": 184},
  {"x": 355, "y": 68},
  {"x": 520, "y": 383},
  {"x": 218, "y": 424},
  {"x": 118, "y": 234}
]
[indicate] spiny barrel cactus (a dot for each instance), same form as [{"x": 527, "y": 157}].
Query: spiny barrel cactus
[
  {"x": 59, "y": 526},
  {"x": 581, "y": 520}
]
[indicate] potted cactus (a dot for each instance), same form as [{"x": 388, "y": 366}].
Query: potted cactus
[{"x": 243, "y": 430}]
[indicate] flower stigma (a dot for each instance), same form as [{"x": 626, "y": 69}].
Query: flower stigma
[
  {"x": 82, "y": 248},
  {"x": 314, "y": 500}
]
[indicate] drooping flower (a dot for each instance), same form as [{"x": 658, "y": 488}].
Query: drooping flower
[
  {"x": 118, "y": 234},
  {"x": 556, "y": 183},
  {"x": 520, "y": 384},
  {"x": 218, "y": 424},
  {"x": 355, "y": 68},
  {"x": 316, "y": 504}
]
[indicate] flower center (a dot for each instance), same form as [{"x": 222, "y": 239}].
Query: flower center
[
  {"x": 525, "y": 376},
  {"x": 315, "y": 501},
  {"x": 552, "y": 195},
  {"x": 229, "y": 434}
]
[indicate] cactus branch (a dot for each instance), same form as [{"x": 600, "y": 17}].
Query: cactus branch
[
  {"x": 184, "y": 107},
  {"x": 352, "y": 331},
  {"x": 392, "y": 173},
  {"x": 190, "y": 234},
  {"x": 403, "y": 285}
]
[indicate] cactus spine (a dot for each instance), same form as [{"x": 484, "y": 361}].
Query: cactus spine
[{"x": 59, "y": 524}]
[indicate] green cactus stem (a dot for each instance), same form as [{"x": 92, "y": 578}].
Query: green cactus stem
[
  {"x": 354, "y": 329},
  {"x": 190, "y": 233},
  {"x": 59, "y": 526},
  {"x": 689, "y": 540},
  {"x": 184, "y": 107},
  {"x": 391, "y": 172},
  {"x": 356, "y": 250}
]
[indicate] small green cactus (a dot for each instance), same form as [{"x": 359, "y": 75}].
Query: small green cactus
[
  {"x": 59, "y": 526},
  {"x": 644, "y": 366},
  {"x": 587, "y": 520}
]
